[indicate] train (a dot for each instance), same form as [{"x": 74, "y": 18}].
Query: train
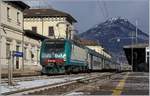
[{"x": 61, "y": 56}]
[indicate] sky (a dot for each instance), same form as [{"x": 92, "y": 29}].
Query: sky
[{"x": 88, "y": 13}]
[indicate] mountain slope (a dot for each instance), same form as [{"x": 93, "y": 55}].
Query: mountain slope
[{"x": 113, "y": 34}]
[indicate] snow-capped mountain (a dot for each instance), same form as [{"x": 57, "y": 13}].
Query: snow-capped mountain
[{"x": 114, "y": 33}]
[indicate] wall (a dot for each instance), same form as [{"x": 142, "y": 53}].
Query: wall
[
  {"x": 32, "y": 47},
  {"x": 11, "y": 33},
  {"x": 43, "y": 23},
  {"x": 12, "y": 20}
]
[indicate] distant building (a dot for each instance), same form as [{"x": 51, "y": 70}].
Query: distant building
[
  {"x": 95, "y": 46},
  {"x": 138, "y": 56},
  {"x": 100, "y": 50},
  {"x": 49, "y": 22}
]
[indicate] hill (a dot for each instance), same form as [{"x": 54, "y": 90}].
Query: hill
[{"x": 113, "y": 34}]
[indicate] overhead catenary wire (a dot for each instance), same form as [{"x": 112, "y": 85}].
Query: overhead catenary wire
[
  {"x": 101, "y": 8},
  {"x": 106, "y": 9},
  {"x": 38, "y": 3},
  {"x": 47, "y": 3}
]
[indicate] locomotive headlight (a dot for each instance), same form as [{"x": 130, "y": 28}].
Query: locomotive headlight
[{"x": 64, "y": 56}]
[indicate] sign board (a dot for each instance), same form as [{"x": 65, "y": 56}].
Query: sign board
[{"x": 17, "y": 54}]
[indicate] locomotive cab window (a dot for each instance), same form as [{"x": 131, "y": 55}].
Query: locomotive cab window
[{"x": 53, "y": 50}]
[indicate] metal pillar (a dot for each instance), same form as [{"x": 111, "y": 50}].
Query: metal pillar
[
  {"x": 23, "y": 51},
  {"x": 136, "y": 23},
  {"x": 10, "y": 71},
  {"x": 0, "y": 45},
  {"x": 103, "y": 62},
  {"x": 91, "y": 62},
  {"x": 132, "y": 52},
  {"x": 23, "y": 33}
]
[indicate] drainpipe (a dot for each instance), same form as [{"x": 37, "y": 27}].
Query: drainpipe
[
  {"x": 23, "y": 50},
  {"x": 42, "y": 26},
  {"x": 23, "y": 33},
  {"x": 67, "y": 31}
]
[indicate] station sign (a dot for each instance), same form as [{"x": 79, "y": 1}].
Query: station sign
[{"x": 17, "y": 54}]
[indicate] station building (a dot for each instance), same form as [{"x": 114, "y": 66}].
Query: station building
[
  {"x": 50, "y": 23},
  {"x": 13, "y": 37},
  {"x": 11, "y": 32}
]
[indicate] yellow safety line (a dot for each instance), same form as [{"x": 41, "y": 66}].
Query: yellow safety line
[{"x": 117, "y": 91}]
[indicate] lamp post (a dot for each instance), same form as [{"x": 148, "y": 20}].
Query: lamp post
[{"x": 118, "y": 40}]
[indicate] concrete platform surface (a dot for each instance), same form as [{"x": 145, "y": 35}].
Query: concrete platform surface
[{"x": 129, "y": 83}]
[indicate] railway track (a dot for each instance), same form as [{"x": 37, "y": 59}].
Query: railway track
[
  {"x": 72, "y": 87},
  {"x": 30, "y": 78},
  {"x": 67, "y": 85},
  {"x": 99, "y": 80}
]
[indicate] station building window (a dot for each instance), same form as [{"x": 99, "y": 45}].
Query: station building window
[
  {"x": 34, "y": 29},
  {"x": 32, "y": 53},
  {"x": 7, "y": 50},
  {"x": 50, "y": 31},
  {"x": 25, "y": 53},
  {"x": 18, "y": 16},
  {"x": 8, "y": 12}
]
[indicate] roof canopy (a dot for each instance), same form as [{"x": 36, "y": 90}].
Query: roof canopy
[
  {"x": 144, "y": 45},
  {"x": 34, "y": 35}
]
